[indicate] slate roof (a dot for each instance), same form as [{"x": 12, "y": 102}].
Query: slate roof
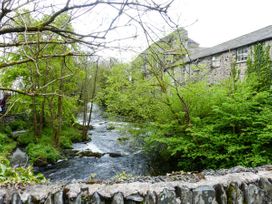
[{"x": 247, "y": 39}]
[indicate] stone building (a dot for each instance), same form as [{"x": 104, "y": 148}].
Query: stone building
[
  {"x": 166, "y": 51},
  {"x": 214, "y": 63}
]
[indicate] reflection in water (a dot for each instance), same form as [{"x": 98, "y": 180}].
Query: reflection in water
[{"x": 105, "y": 141}]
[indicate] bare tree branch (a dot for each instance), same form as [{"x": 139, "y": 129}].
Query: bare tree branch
[{"x": 3, "y": 65}]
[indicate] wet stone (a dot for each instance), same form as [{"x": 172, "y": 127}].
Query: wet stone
[
  {"x": 185, "y": 194},
  {"x": 76, "y": 200},
  {"x": 26, "y": 197},
  {"x": 2, "y": 197},
  {"x": 118, "y": 199},
  {"x": 16, "y": 199},
  {"x": 167, "y": 197},
  {"x": 220, "y": 193},
  {"x": 135, "y": 198},
  {"x": 150, "y": 198},
  {"x": 203, "y": 195},
  {"x": 96, "y": 199},
  {"x": 58, "y": 197},
  {"x": 49, "y": 200},
  {"x": 254, "y": 195},
  {"x": 266, "y": 185},
  {"x": 234, "y": 194}
]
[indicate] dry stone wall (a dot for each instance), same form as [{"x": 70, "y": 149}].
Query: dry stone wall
[{"x": 243, "y": 187}]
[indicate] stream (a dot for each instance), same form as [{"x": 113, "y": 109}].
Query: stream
[{"x": 117, "y": 157}]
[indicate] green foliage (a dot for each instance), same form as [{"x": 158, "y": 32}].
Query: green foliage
[
  {"x": 54, "y": 80},
  {"x": 26, "y": 138},
  {"x": 122, "y": 176},
  {"x": 5, "y": 128},
  {"x": 9, "y": 175},
  {"x": 6, "y": 145},
  {"x": 230, "y": 122},
  {"x": 260, "y": 66},
  {"x": 41, "y": 154},
  {"x": 18, "y": 125},
  {"x": 68, "y": 136},
  {"x": 42, "y": 151},
  {"x": 126, "y": 96},
  {"x": 229, "y": 127}
]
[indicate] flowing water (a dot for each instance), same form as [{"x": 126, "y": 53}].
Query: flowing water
[{"x": 104, "y": 140}]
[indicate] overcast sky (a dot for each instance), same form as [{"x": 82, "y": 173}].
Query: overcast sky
[
  {"x": 217, "y": 21},
  {"x": 209, "y": 22}
]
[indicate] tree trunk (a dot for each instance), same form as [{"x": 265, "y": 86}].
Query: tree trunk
[
  {"x": 41, "y": 119},
  {"x": 87, "y": 127},
  {"x": 57, "y": 129},
  {"x": 35, "y": 122}
]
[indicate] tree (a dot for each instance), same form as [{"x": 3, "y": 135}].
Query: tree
[
  {"x": 53, "y": 22},
  {"x": 41, "y": 77},
  {"x": 259, "y": 64},
  {"x": 43, "y": 51}
]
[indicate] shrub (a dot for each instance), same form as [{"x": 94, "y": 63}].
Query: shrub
[
  {"x": 9, "y": 175},
  {"x": 4, "y": 128},
  {"x": 72, "y": 133},
  {"x": 41, "y": 154},
  {"x": 65, "y": 142},
  {"x": 18, "y": 125},
  {"x": 68, "y": 136},
  {"x": 6, "y": 145},
  {"x": 229, "y": 127},
  {"x": 26, "y": 138}
]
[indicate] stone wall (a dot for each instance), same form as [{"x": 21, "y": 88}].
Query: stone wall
[
  {"x": 239, "y": 187},
  {"x": 215, "y": 74}
]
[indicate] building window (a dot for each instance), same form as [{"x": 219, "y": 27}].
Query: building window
[
  {"x": 215, "y": 61},
  {"x": 242, "y": 54}
]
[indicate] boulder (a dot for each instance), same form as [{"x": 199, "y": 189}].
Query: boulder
[
  {"x": 16, "y": 134},
  {"x": 115, "y": 154},
  {"x": 19, "y": 158},
  {"x": 89, "y": 153}
]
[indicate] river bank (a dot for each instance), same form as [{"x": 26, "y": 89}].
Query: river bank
[{"x": 108, "y": 153}]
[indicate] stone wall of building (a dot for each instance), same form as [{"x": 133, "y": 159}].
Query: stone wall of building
[
  {"x": 215, "y": 74},
  {"x": 235, "y": 186}
]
